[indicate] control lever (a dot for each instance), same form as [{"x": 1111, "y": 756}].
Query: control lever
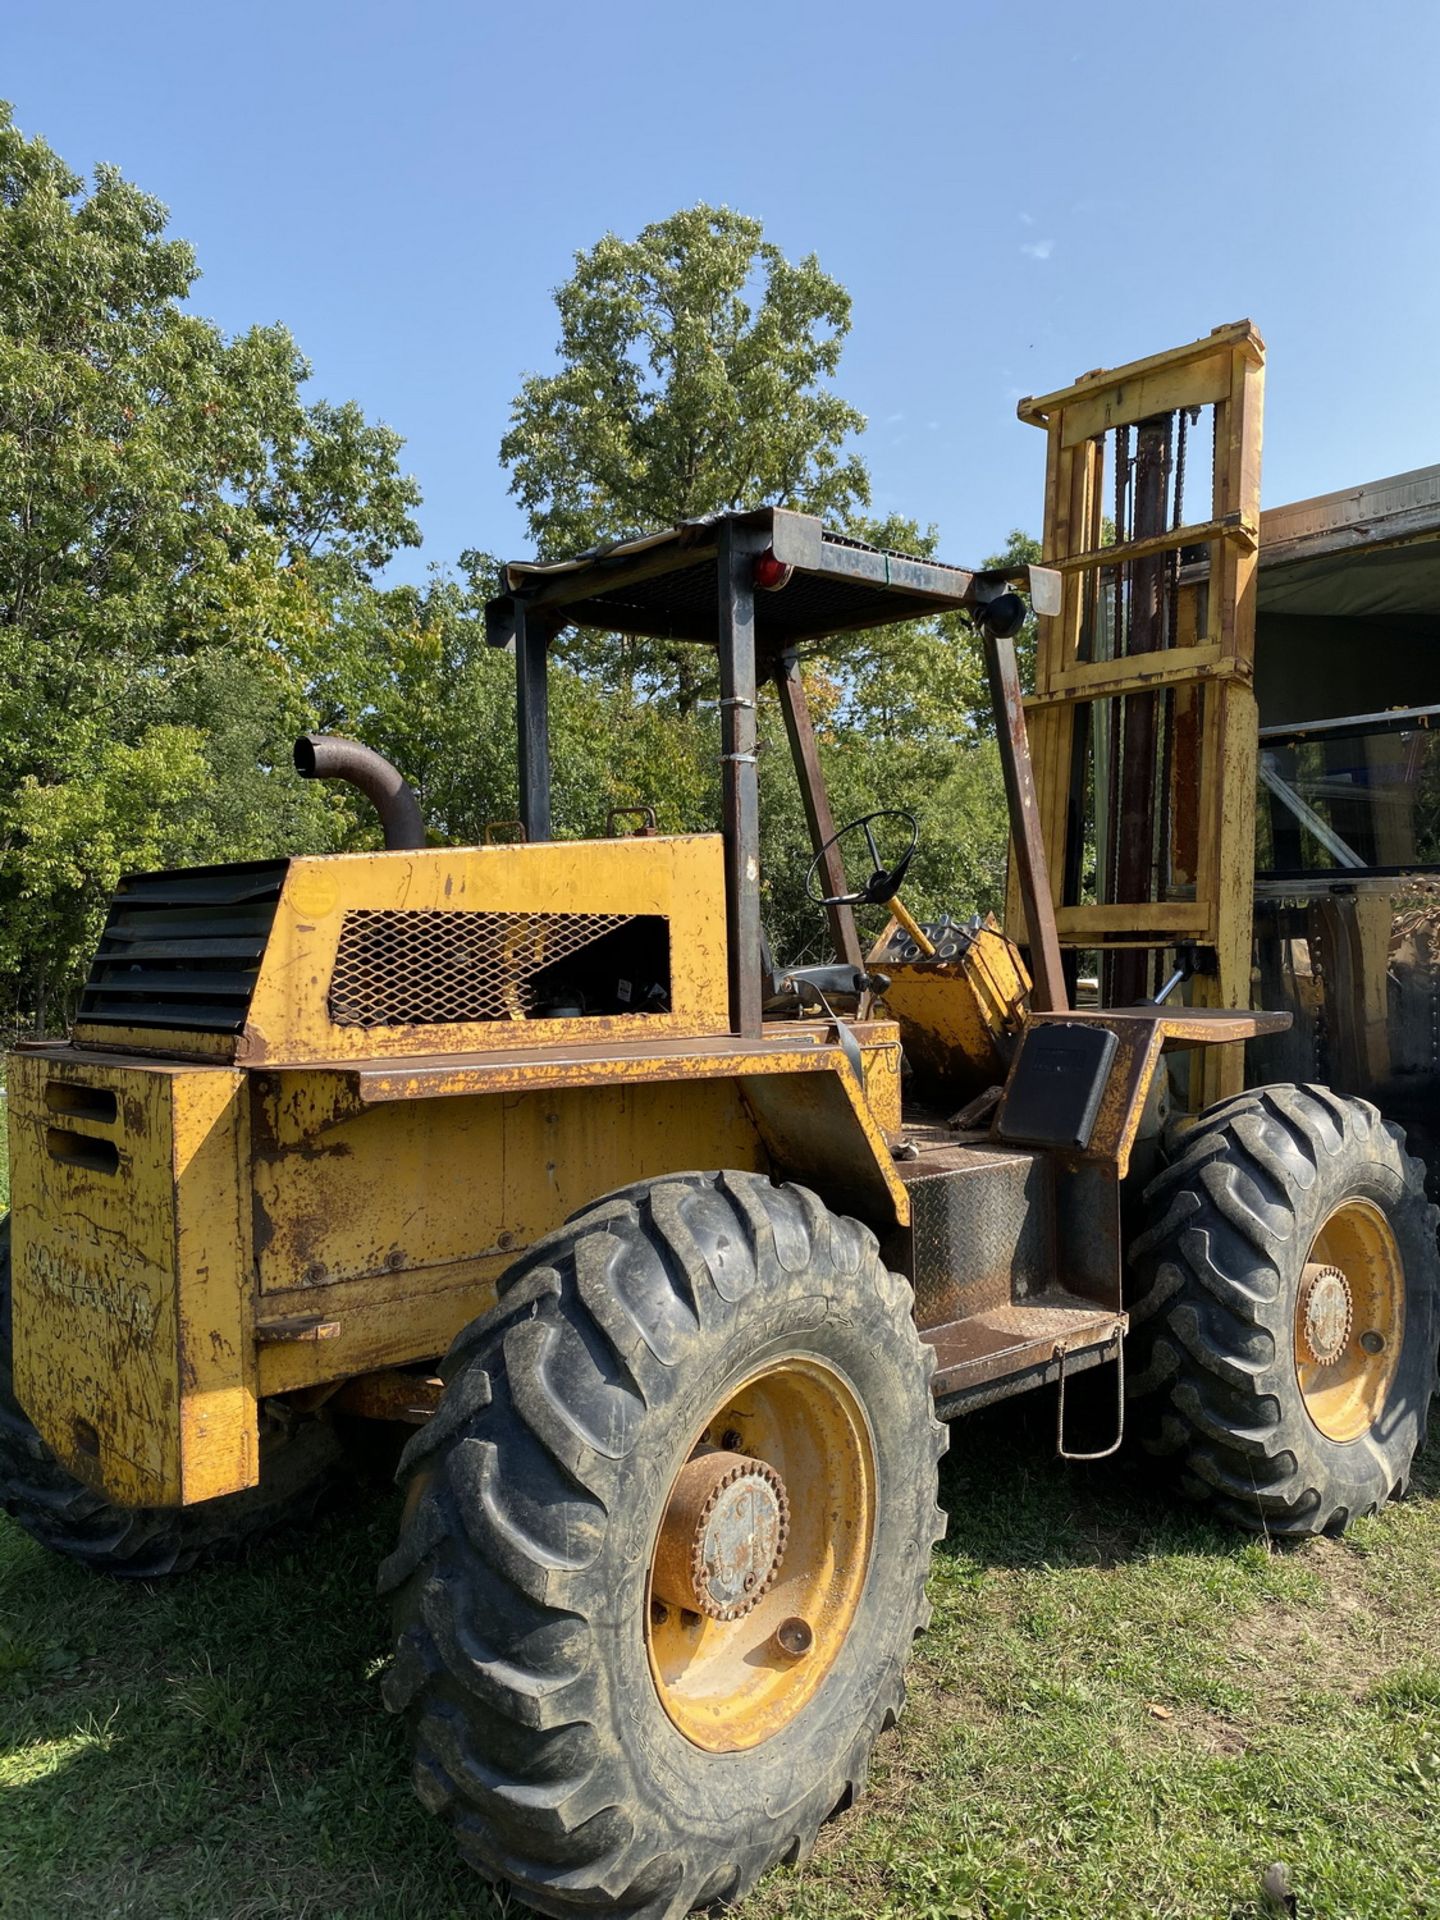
[{"x": 1185, "y": 958}]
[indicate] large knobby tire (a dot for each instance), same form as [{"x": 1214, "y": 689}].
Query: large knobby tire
[
  {"x": 298, "y": 1461},
  {"x": 1284, "y": 1325},
  {"x": 525, "y": 1621}
]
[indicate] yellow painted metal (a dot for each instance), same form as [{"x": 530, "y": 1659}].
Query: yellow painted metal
[
  {"x": 785, "y": 1046},
  {"x": 883, "y": 1060},
  {"x": 272, "y": 1230},
  {"x": 134, "y": 1350},
  {"x": 1143, "y": 1035},
  {"x": 1208, "y": 671},
  {"x": 680, "y": 879},
  {"x": 728, "y": 1685},
  {"x": 393, "y": 1215},
  {"x": 917, "y": 933},
  {"x": 218, "y": 1048},
  {"x": 1103, "y": 679},
  {"x": 958, "y": 1016},
  {"x": 1346, "y": 1395},
  {"x": 1145, "y": 388},
  {"x": 396, "y": 1221}
]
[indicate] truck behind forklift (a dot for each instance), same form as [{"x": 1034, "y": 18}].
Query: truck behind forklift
[{"x": 672, "y": 1494}]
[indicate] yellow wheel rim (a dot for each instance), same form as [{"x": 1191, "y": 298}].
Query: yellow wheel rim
[
  {"x": 771, "y": 1511},
  {"x": 1350, "y": 1320}
]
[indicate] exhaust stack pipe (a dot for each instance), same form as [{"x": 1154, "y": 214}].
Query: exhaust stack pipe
[{"x": 327, "y": 756}]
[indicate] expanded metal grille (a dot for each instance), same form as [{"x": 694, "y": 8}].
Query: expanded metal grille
[{"x": 413, "y": 969}]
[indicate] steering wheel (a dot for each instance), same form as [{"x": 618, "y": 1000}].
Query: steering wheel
[{"x": 884, "y": 882}]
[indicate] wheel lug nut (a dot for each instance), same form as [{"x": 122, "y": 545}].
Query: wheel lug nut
[
  {"x": 730, "y": 1440},
  {"x": 1373, "y": 1342},
  {"x": 793, "y": 1638},
  {"x": 659, "y": 1613}
]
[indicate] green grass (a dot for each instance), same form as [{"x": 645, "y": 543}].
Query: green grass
[{"x": 1119, "y": 1711}]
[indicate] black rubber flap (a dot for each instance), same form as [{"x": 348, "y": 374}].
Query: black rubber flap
[{"x": 1056, "y": 1083}]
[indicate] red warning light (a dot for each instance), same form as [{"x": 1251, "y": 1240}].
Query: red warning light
[{"x": 771, "y": 574}]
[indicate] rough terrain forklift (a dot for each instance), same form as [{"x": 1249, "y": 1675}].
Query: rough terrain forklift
[{"x": 712, "y": 1249}]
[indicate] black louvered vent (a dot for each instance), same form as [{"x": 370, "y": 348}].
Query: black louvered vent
[{"x": 183, "y": 949}]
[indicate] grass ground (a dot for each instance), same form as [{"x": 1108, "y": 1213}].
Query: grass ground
[{"x": 1118, "y": 1712}]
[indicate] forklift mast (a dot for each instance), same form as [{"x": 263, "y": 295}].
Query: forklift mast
[{"x": 1143, "y": 718}]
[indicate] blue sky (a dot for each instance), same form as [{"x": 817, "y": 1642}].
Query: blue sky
[{"x": 1012, "y": 193}]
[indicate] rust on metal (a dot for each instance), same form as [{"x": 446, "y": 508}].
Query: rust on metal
[
  {"x": 1005, "y": 1341},
  {"x": 328, "y": 756},
  {"x": 1184, "y": 810},
  {"x": 1031, "y": 868},
  {"x": 799, "y": 727},
  {"x": 1144, "y": 1033},
  {"x": 794, "y": 1637},
  {"x": 648, "y": 828},
  {"x": 1326, "y": 1313},
  {"x": 723, "y": 1537},
  {"x": 1142, "y": 629},
  {"x": 287, "y": 1329},
  {"x": 393, "y": 1394}
]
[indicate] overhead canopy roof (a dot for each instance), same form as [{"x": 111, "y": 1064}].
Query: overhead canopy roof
[
  {"x": 664, "y": 584},
  {"x": 1370, "y": 552}
]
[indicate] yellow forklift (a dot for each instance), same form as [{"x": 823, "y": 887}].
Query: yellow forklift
[{"x": 711, "y": 1248}]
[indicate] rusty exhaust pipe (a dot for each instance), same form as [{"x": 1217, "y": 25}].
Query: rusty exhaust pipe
[{"x": 327, "y": 756}]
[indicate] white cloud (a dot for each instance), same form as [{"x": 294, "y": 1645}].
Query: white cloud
[
  {"x": 893, "y": 419},
  {"x": 1038, "y": 249},
  {"x": 1027, "y": 219}
]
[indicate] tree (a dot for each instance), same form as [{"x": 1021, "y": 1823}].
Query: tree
[
  {"x": 179, "y": 535},
  {"x": 189, "y": 561},
  {"x": 694, "y": 376},
  {"x": 695, "y": 363},
  {"x": 692, "y": 380}
]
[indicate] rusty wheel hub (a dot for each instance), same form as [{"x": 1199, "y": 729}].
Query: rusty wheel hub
[
  {"x": 723, "y": 1536},
  {"x": 1327, "y": 1313}
]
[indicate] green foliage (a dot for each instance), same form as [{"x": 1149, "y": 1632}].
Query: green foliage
[
  {"x": 693, "y": 374},
  {"x": 693, "y": 362},
  {"x": 189, "y": 555},
  {"x": 923, "y": 680},
  {"x": 78, "y": 835},
  {"x": 1118, "y": 1710},
  {"x": 180, "y": 534}
]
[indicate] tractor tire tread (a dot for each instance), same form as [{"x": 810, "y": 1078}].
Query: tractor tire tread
[
  {"x": 1211, "y": 1315},
  {"x": 495, "y": 1657}
]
